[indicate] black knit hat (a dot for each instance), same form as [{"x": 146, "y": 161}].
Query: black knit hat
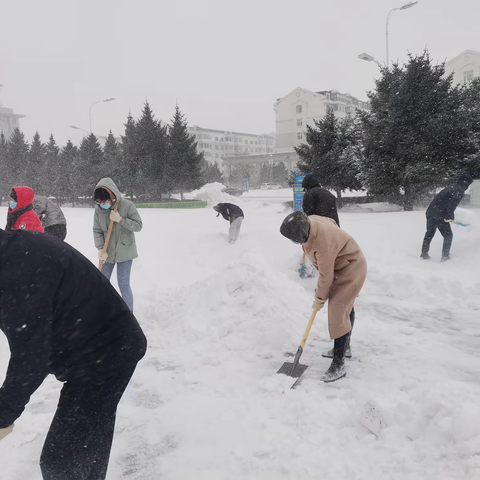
[
  {"x": 296, "y": 227},
  {"x": 465, "y": 180},
  {"x": 310, "y": 181}
]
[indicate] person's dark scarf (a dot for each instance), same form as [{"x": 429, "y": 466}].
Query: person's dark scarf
[{"x": 12, "y": 217}]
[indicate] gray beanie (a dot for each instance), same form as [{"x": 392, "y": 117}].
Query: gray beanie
[{"x": 296, "y": 227}]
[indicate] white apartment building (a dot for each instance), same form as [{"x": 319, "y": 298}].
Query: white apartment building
[
  {"x": 219, "y": 144},
  {"x": 465, "y": 67},
  {"x": 9, "y": 121},
  {"x": 301, "y": 107}
]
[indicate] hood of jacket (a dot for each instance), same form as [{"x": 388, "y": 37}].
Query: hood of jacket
[
  {"x": 464, "y": 180},
  {"x": 109, "y": 185},
  {"x": 310, "y": 181},
  {"x": 25, "y": 196}
]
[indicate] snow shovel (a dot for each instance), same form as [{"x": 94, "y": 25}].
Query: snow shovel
[
  {"x": 296, "y": 369},
  {"x": 107, "y": 240},
  {"x": 458, "y": 223}
]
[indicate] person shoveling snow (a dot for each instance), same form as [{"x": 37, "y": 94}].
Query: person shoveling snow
[
  {"x": 342, "y": 268},
  {"x": 234, "y": 214},
  {"x": 441, "y": 212}
]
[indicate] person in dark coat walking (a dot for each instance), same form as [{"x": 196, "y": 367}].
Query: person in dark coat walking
[
  {"x": 62, "y": 316},
  {"x": 20, "y": 214},
  {"x": 441, "y": 212},
  {"x": 234, "y": 214},
  {"x": 51, "y": 215},
  {"x": 317, "y": 200}
]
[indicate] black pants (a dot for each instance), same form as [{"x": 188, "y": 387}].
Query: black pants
[
  {"x": 80, "y": 438},
  {"x": 59, "y": 231},
  {"x": 446, "y": 231}
]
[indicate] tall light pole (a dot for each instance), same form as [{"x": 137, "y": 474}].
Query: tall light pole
[
  {"x": 368, "y": 58},
  {"x": 389, "y": 16},
  {"x": 82, "y": 129},
  {"x": 91, "y": 106}
]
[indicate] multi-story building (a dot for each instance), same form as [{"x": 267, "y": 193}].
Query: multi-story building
[
  {"x": 465, "y": 67},
  {"x": 219, "y": 144},
  {"x": 9, "y": 121},
  {"x": 301, "y": 107}
]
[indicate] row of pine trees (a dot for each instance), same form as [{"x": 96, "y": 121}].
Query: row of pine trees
[
  {"x": 421, "y": 132},
  {"x": 150, "y": 161}
]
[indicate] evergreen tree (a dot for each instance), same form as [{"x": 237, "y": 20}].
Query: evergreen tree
[
  {"x": 328, "y": 153},
  {"x": 112, "y": 164},
  {"x": 471, "y": 109},
  {"x": 90, "y": 160},
  {"x": 184, "y": 161},
  {"x": 416, "y": 134},
  {"x": 36, "y": 163},
  {"x": 68, "y": 186},
  {"x": 150, "y": 147},
  {"x": 127, "y": 174},
  {"x": 50, "y": 176},
  {"x": 3, "y": 168},
  {"x": 16, "y": 160},
  {"x": 211, "y": 173}
]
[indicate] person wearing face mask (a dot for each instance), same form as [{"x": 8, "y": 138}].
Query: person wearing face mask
[
  {"x": 122, "y": 249},
  {"x": 342, "y": 268},
  {"x": 21, "y": 215}
]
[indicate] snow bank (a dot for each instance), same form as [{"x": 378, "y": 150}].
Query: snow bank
[{"x": 212, "y": 194}]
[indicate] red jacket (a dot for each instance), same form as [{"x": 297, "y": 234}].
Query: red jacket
[{"x": 28, "y": 220}]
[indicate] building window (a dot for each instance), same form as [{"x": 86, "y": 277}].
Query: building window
[
  {"x": 216, "y": 155},
  {"x": 216, "y": 147},
  {"x": 468, "y": 76},
  {"x": 299, "y": 136},
  {"x": 299, "y": 108},
  {"x": 246, "y": 141},
  {"x": 299, "y": 122},
  {"x": 251, "y": 142}
]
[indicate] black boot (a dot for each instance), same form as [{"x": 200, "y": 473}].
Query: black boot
[
  {"x": 348, "y": 352},
  {"x": 337, "y": 368}
]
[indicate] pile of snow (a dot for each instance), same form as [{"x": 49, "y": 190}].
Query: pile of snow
[
  {"x": 381, "y": 207},
  {"x": 212, "y": 194}
]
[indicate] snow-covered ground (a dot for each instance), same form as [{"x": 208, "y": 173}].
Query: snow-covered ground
[{"x": 206, "y": 403}]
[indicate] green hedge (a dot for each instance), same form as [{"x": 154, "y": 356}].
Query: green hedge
[{"x": 195, "y": 204}]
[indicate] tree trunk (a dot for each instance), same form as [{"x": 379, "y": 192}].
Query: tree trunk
[
  {"x": 408, "y": 199},
  {"x": 338, "y": 191}
]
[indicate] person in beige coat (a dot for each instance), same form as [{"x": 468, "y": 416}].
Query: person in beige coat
[{"x": 342, "y": 271}]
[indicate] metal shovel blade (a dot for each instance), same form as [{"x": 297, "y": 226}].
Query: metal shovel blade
[{"x": 288, "y": 369}]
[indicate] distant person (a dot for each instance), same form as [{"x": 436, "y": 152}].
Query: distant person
[
  {"x": 61, "y": 316},
  {"x": 122, "y": 249},
  {"x": 234, "y": 214},
  {"x": 52, "y": 218},
  {"x": 317, "y": 200},
  {"x": 21, "y": 215},
  {"x": 343, "y": 269},
  {"x": 441, "y": 212}
]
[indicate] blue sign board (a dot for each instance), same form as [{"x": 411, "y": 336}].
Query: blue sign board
[
  {"x": 244, "y": 184},
  {"x": 298, "y": 191}
]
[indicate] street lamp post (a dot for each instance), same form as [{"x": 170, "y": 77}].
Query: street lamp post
[
  {"x": 91, "y": 106},
  {"x": 368, "y": 58},
  {"x": 82, "y": 129},
  {"x": 390, "y": 13}
]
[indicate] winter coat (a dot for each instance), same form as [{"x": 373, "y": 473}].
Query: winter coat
[
  {"x": 318, "y": 201},
  {"x": 122, "y": 246},
  {"x": 23, "y": 217},
  {"x": 48, "y": 212},
  {"x": 444, "y": 204},
  {"x": 342, "y": 268},
  {"x": 229, "y": 211},
  {"x": 61, "y": 316}
]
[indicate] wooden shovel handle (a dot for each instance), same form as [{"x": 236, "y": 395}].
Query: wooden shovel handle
[
  {"x": 309, "y": 326},
  {"x": 107, "y": 240}
]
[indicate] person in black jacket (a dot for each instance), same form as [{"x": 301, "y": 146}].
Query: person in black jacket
[
  {"x": 234, "y": 214},
  {"x": 317, "y": 200},
  {"x": 62, "y": 316},
  {"x": 441, "y": 212}
]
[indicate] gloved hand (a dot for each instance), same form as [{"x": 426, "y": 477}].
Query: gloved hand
[
  {"x": 102, "y": 256},
  {"x": 5, "y": 431},
  {"x": 318, "y": 303},
  {"x": 115, "y": 216},
  {"x": 448, "y": 220}
]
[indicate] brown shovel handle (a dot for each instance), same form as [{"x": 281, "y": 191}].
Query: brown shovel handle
[
  {"x": 109, "y": 234},
  {"x": 309, "y": 326}
]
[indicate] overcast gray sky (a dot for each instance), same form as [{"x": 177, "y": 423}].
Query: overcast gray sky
[{"x": 225, "y": 61}]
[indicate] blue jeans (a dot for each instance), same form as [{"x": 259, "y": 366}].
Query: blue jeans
[{"x": 123, "y": 278}]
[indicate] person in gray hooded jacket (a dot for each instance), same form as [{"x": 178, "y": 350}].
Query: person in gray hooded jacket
[
  {"x": 122, "y": 248},
  {"x": 52, "y": 218}
]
